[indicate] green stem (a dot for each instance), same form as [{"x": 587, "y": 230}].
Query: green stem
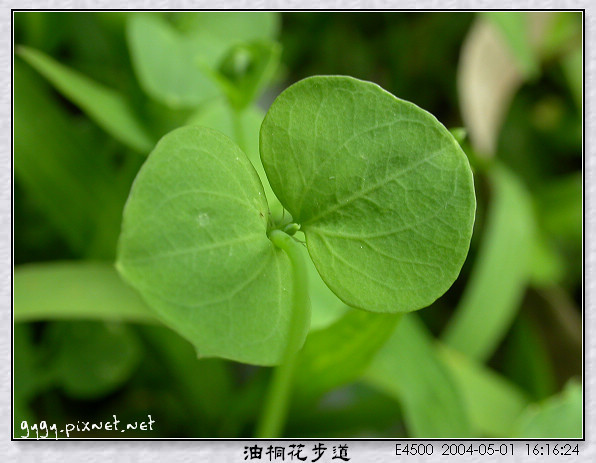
[{"x": 277, "y": 401}]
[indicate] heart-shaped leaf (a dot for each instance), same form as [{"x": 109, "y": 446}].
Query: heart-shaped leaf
[
  {"x": 194, "y": 244},
  {"x": 383, "y": 192}
]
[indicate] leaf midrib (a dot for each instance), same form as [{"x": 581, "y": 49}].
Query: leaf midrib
[{"x": 344, "y": 202}]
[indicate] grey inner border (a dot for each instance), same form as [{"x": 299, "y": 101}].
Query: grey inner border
[{"x": 233, "y": 451}]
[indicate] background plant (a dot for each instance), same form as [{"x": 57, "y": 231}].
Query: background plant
[{"x": 495, "y": 353}]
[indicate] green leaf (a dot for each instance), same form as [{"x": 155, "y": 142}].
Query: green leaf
[
  {"x": 383, "y": 192},
  {"x": 562, "y": 30},
  {"x": 246, "y": 70},
  {"x": 103, "y": 105},
  {"x": 75, "y": 290},
  {"x": 515, "y": 29},
  {"x": 526, "y": 360},
  {"x": 501, "y": 271},
  {"x": 243, "y": 128},
  {"x": 218, "y": 115},
  {"x": 166, "y": 62},
  {"x": 363, "y": 412},
  {"x": 459, "y": 133},
  {"x": 560, "y": 215},
  {"x": 573, "y": 70},
  {"x": 174, "y": 65},
  {"x": 547, "y": 265},
  {"x": 559, "y": 417},
  {"x": 492, "y": 402},
  {"x": 93, "y": 359},
  {"x": 22, "y": 412},
  {"x": 55, "y": 162},
  {"x": 409, "y": 369},
  {"x": 205, "y": 384},
  {"x": 230, "y": 28},
  {"x": 194, "y": 244},
  {"x": 560, "y": 209},
  {"x": 30, "y": 374},
  {"x": 326, "y": 308},
  {"x": 340, "y": 353}
]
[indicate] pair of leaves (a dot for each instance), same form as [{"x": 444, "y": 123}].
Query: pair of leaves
[
  {"x": 382, "y": 191},
  {"x": 220, "y": 116}
]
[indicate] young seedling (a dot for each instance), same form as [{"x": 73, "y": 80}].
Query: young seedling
[{"x": 381, "y": 190}]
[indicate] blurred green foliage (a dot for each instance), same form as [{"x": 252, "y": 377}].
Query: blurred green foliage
[{"x": 499, "y": 355}]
